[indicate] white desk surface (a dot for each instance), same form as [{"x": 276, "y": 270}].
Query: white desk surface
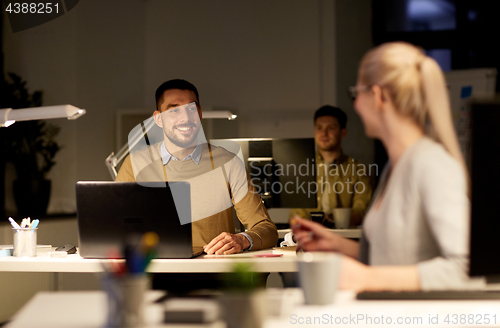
[
  {"x": 82, "y": 310},
  {"x": 87, "y": 309},
  {"x": 347, "y": 233},
  {"x": 204, "y": 263},
  {"x": 349, "y": 312}
]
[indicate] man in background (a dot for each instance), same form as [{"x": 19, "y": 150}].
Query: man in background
[{"x": 342, "y": 182}]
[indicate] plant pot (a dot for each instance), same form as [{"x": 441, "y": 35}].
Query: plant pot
[
  {"x": 244, "y": 310},
  {"x": 31, "y": 196}
]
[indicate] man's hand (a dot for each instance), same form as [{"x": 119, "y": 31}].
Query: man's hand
[{"x": 227, "y": 243}]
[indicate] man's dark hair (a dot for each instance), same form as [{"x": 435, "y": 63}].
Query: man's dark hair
[
  {"x": 336, "y": 112},
  {"x": 175, "y": 84}
]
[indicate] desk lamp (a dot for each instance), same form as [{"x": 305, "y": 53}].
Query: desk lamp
[
  {"x": 8, "y": 116},
  {"x": 219, "y": 114}
]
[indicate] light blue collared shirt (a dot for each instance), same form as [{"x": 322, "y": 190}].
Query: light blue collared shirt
[
  {"x": 249, "y": 239},
  {"x": 195, "y": 156}
]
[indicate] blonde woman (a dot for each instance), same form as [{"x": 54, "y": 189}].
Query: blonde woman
[{"x": 415, "y": 235}]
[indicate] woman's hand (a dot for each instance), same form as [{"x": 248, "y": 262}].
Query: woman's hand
[
  {"x": 312, "y": 236},
  {"x": 360, "y": 277},
  {"x": 354, "y": 275}
]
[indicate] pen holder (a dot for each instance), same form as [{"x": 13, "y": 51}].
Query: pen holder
[
  {"x": 125, "y": 296},
  {"x": 25, "y": 242}
]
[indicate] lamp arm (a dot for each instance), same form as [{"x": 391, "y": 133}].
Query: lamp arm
[
  {"x": 112, "y": 160},
  {"x": 9, "y": 116}
]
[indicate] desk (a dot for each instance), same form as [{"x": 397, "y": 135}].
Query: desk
[
  {"x": 348, "y": 312},
  {"x": 346, "y": 233},
  {"x": 204, "y": 263},
  {"x": 82, "y": 309},
  {"x": 87, "y": 309}
]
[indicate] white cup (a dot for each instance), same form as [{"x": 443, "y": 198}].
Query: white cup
[
  {"x": 342, "y": 217},
  {"x": 319, "y": 276}
]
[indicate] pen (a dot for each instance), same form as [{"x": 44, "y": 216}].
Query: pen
[
  {"x": 149, "y": 256},
  {"x": 14, "y": 223},
  {"x": 34, "y": 224},
  {"x": 147, "y": 249}
]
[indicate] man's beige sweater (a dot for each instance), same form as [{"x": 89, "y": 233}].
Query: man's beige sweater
[{"x": 218, "y": 181}]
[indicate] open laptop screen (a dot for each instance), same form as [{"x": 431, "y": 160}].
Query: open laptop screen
[{"x": 108, "y": 212}]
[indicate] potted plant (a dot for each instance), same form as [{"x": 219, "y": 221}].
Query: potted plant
[
  {"x": 30, "y": 146},
  {"x": 244, "y": 302}
]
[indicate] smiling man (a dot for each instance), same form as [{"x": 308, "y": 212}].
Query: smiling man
[
  {"x": 217, "y": 178},
  {"x": 341, "y": 180}
]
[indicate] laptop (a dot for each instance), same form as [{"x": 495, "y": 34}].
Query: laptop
[{"x": 109, "y": 212}]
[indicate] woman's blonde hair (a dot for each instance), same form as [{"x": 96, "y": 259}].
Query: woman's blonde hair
[{"x": 416, "y": 86}]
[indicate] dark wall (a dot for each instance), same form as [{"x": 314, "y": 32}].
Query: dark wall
[
  {"x": 2, "y": 161},
  {"x": 353, "y": 26},
  {"x": 1, "y": 40},
  {"x": 473, "y": 43}
]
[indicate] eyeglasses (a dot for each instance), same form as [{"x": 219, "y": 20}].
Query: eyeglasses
[{"x": 355, "y": 89}]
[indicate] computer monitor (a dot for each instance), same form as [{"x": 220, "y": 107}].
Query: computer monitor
[
  {"x": 282, "y": 170},
  {"x": 485, "y": 179}
]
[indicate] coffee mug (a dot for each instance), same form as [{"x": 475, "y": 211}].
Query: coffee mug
[
  {"x": 318, "y": 276},
  {"x": 342, "y": 217}
]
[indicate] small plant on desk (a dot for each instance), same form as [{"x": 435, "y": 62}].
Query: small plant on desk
[{"x": 244, "y": 302}]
